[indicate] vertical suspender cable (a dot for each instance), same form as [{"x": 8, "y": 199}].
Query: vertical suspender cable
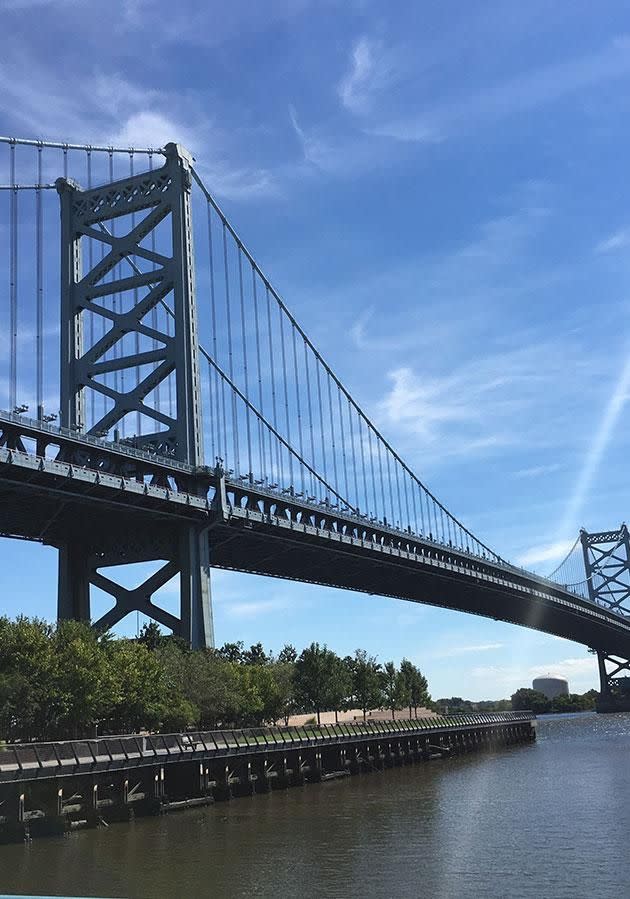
[
  {"x": 321, "y": 422},
  {"x": 39, "y": 252},
  {"x": 154, "y": 311},
  {"x": 381, "y": 479},
  {"x": 261, "y": 430},
  {"x": 13, "y": 282},
  {"x": 225, "y": 429},
  {"x": 354, "y": 463},
  {"x": 391, "y": 492},
  {"x": 343, "y": 445},
  {"x": 88, "y": 162},
  {"x": 115, "y": 274},
  {"x": 418, "y": 518},
  {"x": 209, "y": 366},
  {"x": 422, "y": 528},
  {"x": 228, "y": 310},
  {"x": 286, "y": 393},
  {"x": 280, "y": 472},
  {"x": 365, "y": 486},
  {"x": 103, "y": 329},
  {"x": 212, "y": 374},
  {"x": 402, "y": 524},
  {"x": 448, "y": 525},
  {"x": 332, "y": 434},
  {"x": 213, "y": 447},
  {"x": 246, "y": 373},
  {"x": 371, "y": 453},
  {"x": 299, "y": 405},
  {"x": 310, "y": 414},
  {"x": 408, "y": 525},
  {"x": 135, "y": 303}
]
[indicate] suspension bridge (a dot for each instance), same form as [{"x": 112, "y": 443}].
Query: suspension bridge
[{"x": 162, "y": 404}]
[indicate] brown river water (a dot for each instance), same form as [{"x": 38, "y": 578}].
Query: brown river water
[{"x": 544, "y": 820}]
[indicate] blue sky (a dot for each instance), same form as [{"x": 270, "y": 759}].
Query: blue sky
[{"x": 439, "y": 191}]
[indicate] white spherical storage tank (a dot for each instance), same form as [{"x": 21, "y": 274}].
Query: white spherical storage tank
[{"x": 551, "y": 686}]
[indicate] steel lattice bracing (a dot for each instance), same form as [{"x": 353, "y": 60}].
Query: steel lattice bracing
[
  {"x": 118, "y": 221},
  {"x": 607, "y": 565}
]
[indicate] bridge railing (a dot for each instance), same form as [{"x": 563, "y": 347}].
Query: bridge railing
[{"x": 102, "y": 751}]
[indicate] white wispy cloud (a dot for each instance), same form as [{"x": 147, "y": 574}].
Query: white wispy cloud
[
  {"x": 107, "y": 108},
  {"x": 255, "y": 608},
  {"x": 473, "y": 408},
  {"x": 455, "y": 651},
  {"x": 528, "y": 90},
  {"x": 619, "y": 240},
  {"x": 537, "y": 471},
  {"x": 371, "y": 71},
  {"x": 546, "y": 552},
  {"x": 333, "y": 152}
]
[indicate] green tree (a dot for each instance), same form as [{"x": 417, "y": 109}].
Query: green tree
[
  {"x": 82, "y": 679},
  {"x": 284, "y": 674},
  {"x": 288, "y": 653},
  {"x": 232, "y": 652},
  {"x": 150, "y": 635},
  {"x": 391, "y": 688},
  {"x": 530, "y": 700},
  {"x": 255, "y": 655},
  {"x": 316, "y": 677},
  {"x": 416, "y": 686},
  {"x": 29, "y": 701},
  {"x": 139, "y": 688},
  {"x": 366, "y": 674},
  {"x": 339, "y": 686}
]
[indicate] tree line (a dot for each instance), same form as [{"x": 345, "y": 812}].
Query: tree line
[
  {"x": 537, "y": 702},
  {"x": 68, "y": 681}
]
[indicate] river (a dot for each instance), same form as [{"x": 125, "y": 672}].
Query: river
[{"x": 549, "y": 820}]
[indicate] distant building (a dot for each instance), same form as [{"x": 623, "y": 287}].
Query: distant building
[{"x": 551, "y": 686}]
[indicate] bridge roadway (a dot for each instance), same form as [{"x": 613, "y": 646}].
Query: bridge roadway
[{"x": 126, "y": 504}]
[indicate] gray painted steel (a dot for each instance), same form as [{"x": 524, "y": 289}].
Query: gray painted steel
[{"x": 162, "y": 195}]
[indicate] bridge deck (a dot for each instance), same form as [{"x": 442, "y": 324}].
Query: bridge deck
[{"x": 128, "y": 505}]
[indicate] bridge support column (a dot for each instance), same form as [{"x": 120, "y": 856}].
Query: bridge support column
[
  {"x": 196, "y": 601},
  {"x": 152, "y": 332},
  {"x": 614, "y": 683},
  {"x": 607, "y": 564},
  {"x": 74, "y": 583},
  {"x": 187, "y": 555}
]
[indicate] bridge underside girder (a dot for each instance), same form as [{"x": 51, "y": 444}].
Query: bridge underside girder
[
  {"x": 259, "y": 552},
  {"x": 130, "y": 523},
  {"x": 115, "y": 531}
]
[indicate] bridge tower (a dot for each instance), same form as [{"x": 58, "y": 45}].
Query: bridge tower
[
  {"x": 136, "y": 205},
  {"x": 607, "y": 564}
]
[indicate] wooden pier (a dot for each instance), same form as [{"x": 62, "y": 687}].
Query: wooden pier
[{"x": 48, "y": 788}]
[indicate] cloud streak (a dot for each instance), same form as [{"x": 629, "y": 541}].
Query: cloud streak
[
  {"x": 455, "y": 651},
  {"x": 531, "y": 89},
  {"x": 370, "y": 73}
]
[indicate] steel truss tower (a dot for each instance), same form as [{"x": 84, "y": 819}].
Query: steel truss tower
[
  {"x": 136, "y": 205},
  {"x": 607, "y": 565}
]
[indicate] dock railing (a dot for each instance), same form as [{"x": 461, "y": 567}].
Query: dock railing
[{"x": 57, "y": 756}]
